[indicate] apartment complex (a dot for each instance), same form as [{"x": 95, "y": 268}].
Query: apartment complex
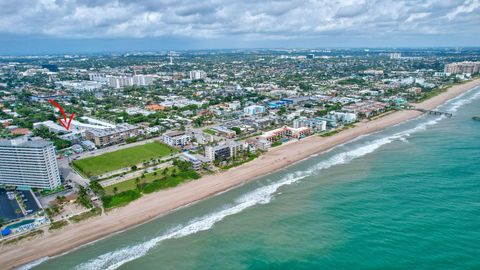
[
  {"x": 176, "y": 138},
  {"x": 286, "y": 132},
  {"x": 224, "y": 151},
  {"x": 463, "y": 67},
  {"x": 315, "y": 124},
  {"x": 122, "y": 81},
  {"x": 28, "y": 163},
  {"x": 109, "y": 136}
]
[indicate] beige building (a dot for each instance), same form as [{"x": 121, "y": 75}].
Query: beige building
[
  {"x": 105, "y": 137},
  {"x": 463, "y": 67}
]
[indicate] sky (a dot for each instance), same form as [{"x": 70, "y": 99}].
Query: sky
[{"x": 69, "y": 26}]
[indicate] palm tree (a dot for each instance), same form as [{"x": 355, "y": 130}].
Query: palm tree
[{"x": 137, "y": 182}]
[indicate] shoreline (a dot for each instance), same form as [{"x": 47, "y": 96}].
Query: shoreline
[{"x": 162, "y": 202}]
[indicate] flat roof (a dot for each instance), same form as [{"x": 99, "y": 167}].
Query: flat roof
[{"x": 25, "y": 143}]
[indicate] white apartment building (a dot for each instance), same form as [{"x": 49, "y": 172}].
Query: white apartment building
[
  {"x": 234, "y": 105},
  {"x": 122, "y": 81},
  {"x": 197, "y": 75},
  {"x": 223, "y": 151},
  {"x": 254, "y": 110},
  {"x": 26, "y": 163},
  {"x": 176, "y": 138},
  {"x": 142, "y": 80}
]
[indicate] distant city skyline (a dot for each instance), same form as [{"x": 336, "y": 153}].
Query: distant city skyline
[{"x": 73, "y": 26}]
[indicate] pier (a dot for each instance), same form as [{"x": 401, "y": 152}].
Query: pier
[{"x": 434, "y": 112}]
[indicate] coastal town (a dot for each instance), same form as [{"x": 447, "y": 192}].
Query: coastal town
[{"x": 133, "y": 124}]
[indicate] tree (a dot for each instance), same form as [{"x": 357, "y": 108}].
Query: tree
[
  {"x": 237, "y": 130},
  {"x": 97, "y": 188},
  {"x": 137, "y": 182}
]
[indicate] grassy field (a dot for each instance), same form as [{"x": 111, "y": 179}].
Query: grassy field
[
  {"x": 209, "y": 131},
  {"x": 129, "y": 190},
  {"x": 131, "y": 184},
  {"x": 122, "y": 158}
]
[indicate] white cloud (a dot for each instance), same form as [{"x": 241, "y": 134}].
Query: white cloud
[{"x": 245, "y": 19}]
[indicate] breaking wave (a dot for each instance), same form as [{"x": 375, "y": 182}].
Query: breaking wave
[
  {"x": 459, "y": 101},
  {"x": 262, "y": 195},
  {"x": 33, "y": 264}
]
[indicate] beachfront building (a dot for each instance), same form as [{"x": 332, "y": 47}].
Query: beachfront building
[
  {"x": 285, "y": 133},
  {"x": 259, "y": 143},
  {"x": 176, "y": 138},
  {"x": 223, "y": 151},
  {"x": 343, "y": 117},
  {"x": 196, "y": 160},
  {"x": 109, "y": 136},
  {"x": 366, "y": 108},
  {"x": 254, "y": 110},
  {"x": 315, "y": 124},
  {"x": 28, "y": 163}
]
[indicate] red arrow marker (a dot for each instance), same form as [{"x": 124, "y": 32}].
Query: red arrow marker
[{"x": 63, "y": 121}]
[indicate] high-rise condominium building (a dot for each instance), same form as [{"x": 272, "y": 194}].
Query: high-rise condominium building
[
  {"x": 462, "y": 67},
  {"x": 31, "y": 164}
]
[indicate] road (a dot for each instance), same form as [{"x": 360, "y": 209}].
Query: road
[
  {"x": 68, "y": 173},
  {"x": 134, "y": 174}
]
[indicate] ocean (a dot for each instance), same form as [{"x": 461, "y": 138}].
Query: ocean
[{"x": 407, "y": 197}]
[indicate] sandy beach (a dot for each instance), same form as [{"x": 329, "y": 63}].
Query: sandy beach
[{"x": 160, "y": 203}]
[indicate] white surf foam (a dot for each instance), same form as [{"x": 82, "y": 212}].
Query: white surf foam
[
  {"x": 262, "y": 195},
  {"x": 460, "y": 100},
  {"x": 32, "y": 264}
]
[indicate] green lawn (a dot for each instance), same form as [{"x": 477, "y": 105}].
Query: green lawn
[
  {"x": 209, "y": 131},
  {"x": 131, "y": 184},
  {"x": 122, "y": 158},
  {"x": 128, "y": 191}
]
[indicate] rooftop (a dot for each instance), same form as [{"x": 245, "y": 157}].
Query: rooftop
[{"x": 24, "y": 142}]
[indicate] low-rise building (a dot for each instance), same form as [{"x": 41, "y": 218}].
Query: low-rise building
[
  {"x": 314, "y": 124},
  {"x": 196, "y": 160},
  {"x": 88, "y": 145},
  {"x": 223, "y": 152},
  {"x": 343, "y": 117},
  {"x": 286, "y": 132},
  {"x": 259, "y": 143},
  {"x": 176, "y": 138},
  {"x": 110, "y": 136},
  {"x": 225, "y": 132}
]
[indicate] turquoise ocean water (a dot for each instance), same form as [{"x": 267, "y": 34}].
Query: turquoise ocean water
[{"x": 404, "y": 198}]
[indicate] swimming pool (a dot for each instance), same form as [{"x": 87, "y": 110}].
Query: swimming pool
[{"x": 18, "y": 224}]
